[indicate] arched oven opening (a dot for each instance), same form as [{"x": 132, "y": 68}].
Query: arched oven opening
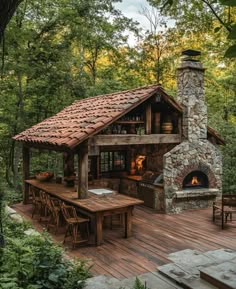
[{"x": 195, "y": 180}]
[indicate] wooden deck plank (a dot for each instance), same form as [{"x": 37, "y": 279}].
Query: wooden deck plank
[{"x": 154, "y": 236}]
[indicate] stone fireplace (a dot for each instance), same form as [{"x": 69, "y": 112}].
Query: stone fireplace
[
  {"x": 195, "y": 180},
  {"x": 193, "y": 169}
]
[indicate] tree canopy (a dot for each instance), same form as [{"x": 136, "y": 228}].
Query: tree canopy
[
  {"x": 200, "y": 15},
  {"x": 57, "y": 51}
]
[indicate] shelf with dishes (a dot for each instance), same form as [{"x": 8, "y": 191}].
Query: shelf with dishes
[
  {"x": 129, "y": 122},
  {"x": 126, "y": 127}
]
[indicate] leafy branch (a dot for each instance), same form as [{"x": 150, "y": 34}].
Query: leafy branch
[{"x": 230, "y": 27}]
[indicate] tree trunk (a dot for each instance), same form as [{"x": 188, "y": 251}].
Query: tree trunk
[{"x": 7, "y": 9}]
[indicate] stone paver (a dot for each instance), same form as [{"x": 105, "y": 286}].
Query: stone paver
[
  {"x": 221, "y": 254},
  {"x": 191, "y": 258},
  {"x": 222, "y": 274}
]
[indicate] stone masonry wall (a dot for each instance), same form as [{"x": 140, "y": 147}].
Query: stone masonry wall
[
  {"x": 185, "y": 158},
  {"x": 155, "y": 155},
  {"x": 195, "y": 153},
  {"x": 191, "y": 96}
]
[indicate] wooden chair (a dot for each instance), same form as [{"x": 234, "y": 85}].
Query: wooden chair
[
  {"x": 36, "y": 201},
  {"x": 54, "y": 208},
  {"x": 225, "y": 208},
  {"x": 44, "y": 212},
  {"x": 73, "y": 222}
]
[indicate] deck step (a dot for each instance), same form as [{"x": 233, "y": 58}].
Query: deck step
[
  {"x": 191, "y": 258},
  {"x": 223, "y": 275},
  {"x": 221, "y": 255},
  {"x": 195, "y": 270}
]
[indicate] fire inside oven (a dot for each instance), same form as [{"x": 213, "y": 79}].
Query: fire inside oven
[{"x": 195, "y": 180}]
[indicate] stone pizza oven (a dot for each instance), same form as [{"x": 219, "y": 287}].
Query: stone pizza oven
[{"x": 192, "y": 170}]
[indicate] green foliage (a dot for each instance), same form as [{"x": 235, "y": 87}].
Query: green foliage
[
  {"x": 227, "y": 129},
  {"x": 232, "y": 34},
  {"x": 62, "y": 50},
  {"x": 228, "y": 2},
  {"x": 35, "y": 262},
  {"x": 56, "y": 51},
  {"x": 231, "y": 51},
  {"x": 189, "y": 13},
  {"x": 138, "y": 285}
]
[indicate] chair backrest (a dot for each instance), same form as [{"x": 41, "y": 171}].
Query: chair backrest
[
  {"x": 34, "y": 192},
  {"x": 42, "y": 196},
  {"x": 69, "y": 212},
  {"x": 52, "y": 205},
  {"x": 55, "y": 203},
  {"x": 229, "y": 200}
]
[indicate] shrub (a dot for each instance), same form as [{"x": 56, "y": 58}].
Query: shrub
[
  {"x": 138, "y": 285},
  {"x": 35, "y": 262}
]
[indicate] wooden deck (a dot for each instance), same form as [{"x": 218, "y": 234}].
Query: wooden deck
[{"x": 154, "y": 237}]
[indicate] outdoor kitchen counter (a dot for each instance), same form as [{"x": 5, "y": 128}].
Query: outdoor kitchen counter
[
  {"x": 152, "y": 194},
  {"x": 139, "y": 179},
  {"x": 134, "y": 178}
]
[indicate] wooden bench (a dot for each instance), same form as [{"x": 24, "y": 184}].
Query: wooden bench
[{"x": 225, "y": 208}]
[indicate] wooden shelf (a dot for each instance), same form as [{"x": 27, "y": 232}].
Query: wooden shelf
[{"x": 129, "y": 122}]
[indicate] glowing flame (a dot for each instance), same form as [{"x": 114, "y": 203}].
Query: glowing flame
[
  {"x": 139, "y": 162},
  {"x": 194, "y": 181}
]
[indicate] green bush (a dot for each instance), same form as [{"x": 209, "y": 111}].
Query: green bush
[
  {"x": 138, "y": 285},
  {"x": 35, "y": 262}
]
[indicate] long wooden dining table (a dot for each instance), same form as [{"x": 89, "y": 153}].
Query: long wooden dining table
[{"x": 95, "y": 207}]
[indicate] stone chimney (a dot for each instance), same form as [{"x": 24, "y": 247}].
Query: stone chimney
[{"x": 190, "y": 86}]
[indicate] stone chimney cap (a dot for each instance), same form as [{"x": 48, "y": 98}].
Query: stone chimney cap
[{"x": 191, "y": 52}]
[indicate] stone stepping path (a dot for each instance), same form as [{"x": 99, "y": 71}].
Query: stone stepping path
[
  {"x": 222, "y": 275},
  {"x": 190, "y": 269},
  {"x": 195, "y": 270}
]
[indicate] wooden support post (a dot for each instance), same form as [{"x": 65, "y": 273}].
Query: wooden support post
[
  {"x": 128, "y": 222},
  {"x": 26, "y": 173},
  {"x": 157, "y": 123},
  {"x": 98, "y": 167},
  {"x": 98, "y": 233},
  {"x": 148, "y": 119},
  {"x": 83, "y": 171},
  {"x": 68, "y": 161},
  {"x": 179, "y": 125},
  {"x": 132, "y": 162}
]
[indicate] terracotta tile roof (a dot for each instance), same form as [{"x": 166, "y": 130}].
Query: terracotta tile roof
[
  {"x": 86, "y": 117},
  {"x": 215, "y": 135}
]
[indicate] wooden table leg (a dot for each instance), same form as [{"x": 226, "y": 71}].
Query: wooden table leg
[
  {"x": 98, "y": 233},
  {"x": 128, "y": 222}
]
